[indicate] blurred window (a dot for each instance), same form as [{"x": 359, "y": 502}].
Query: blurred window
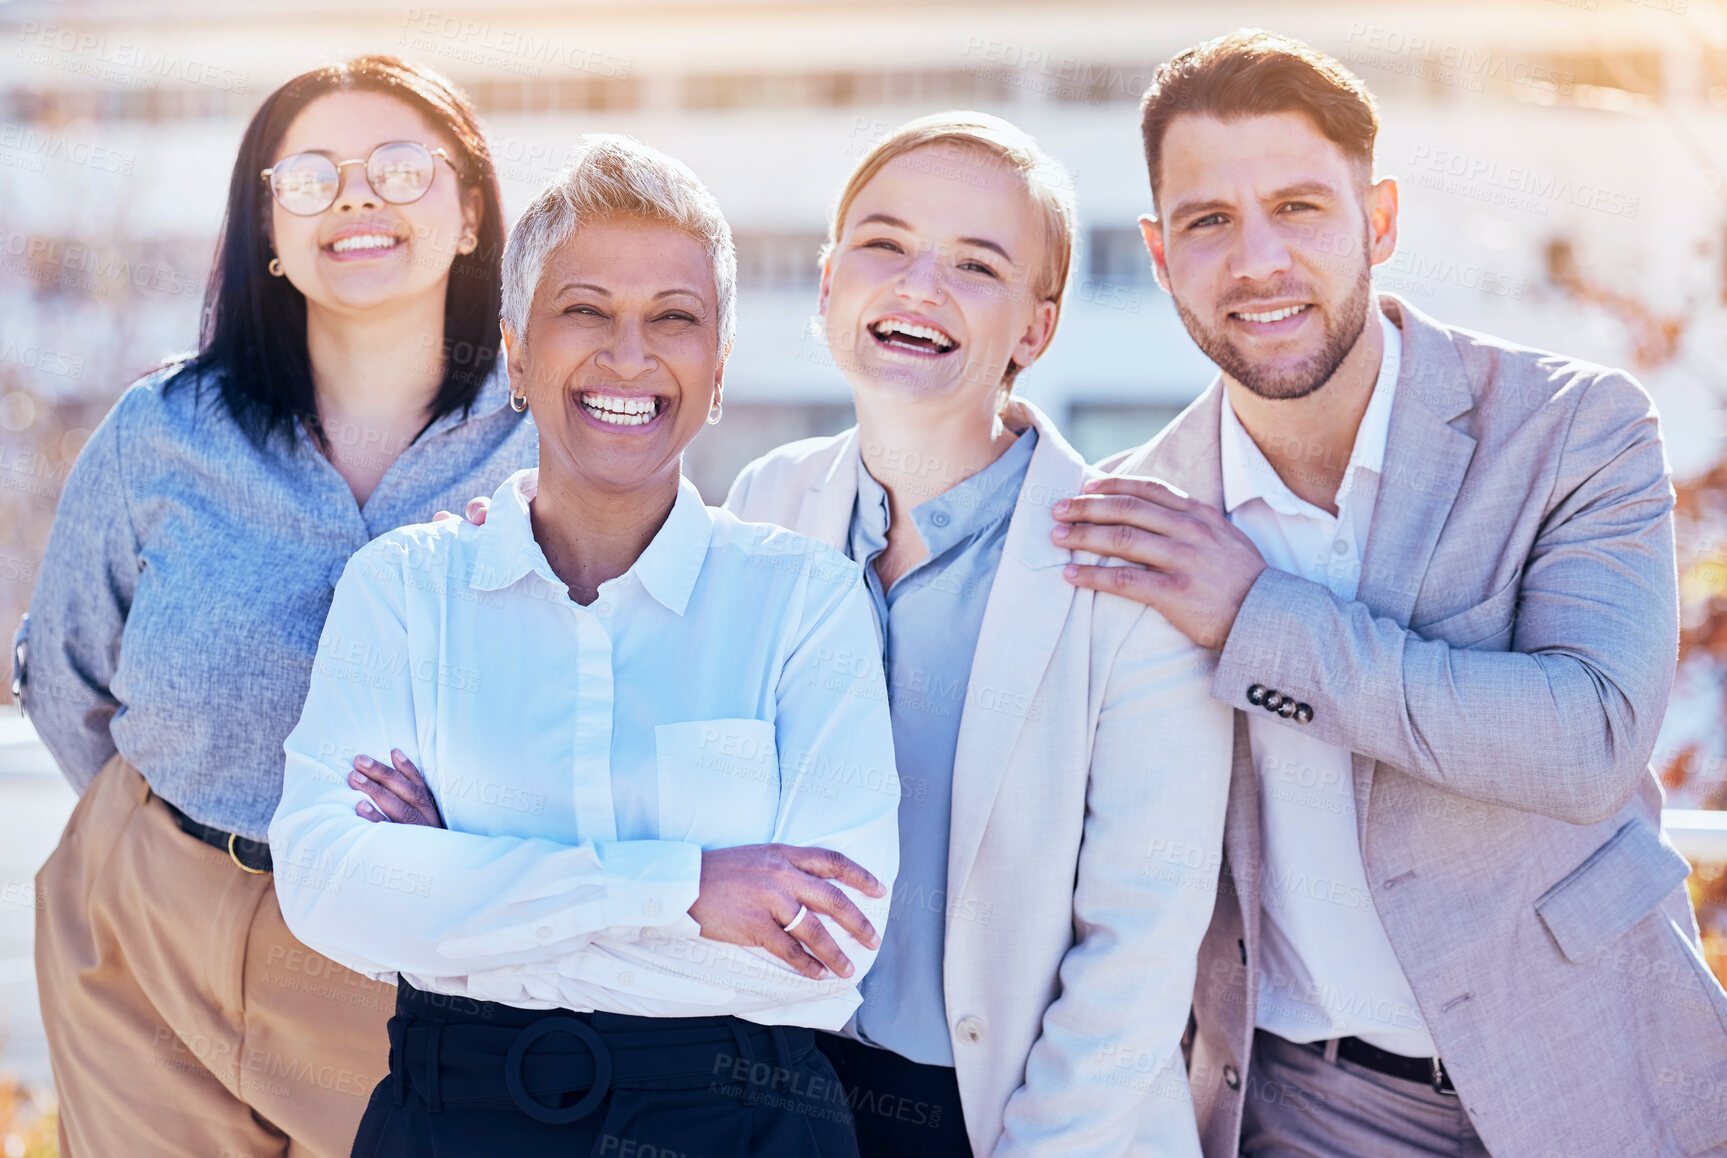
[
  {"x": 778, "y": 261},
  {"x": 1098, "y": 429}
]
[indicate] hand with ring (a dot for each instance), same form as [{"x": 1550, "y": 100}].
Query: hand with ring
[{"x": 765, "y": 894}]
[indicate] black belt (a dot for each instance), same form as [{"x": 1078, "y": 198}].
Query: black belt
[
  {"x": 1429, "y": 1071},
  {"x": 251, "y": 855}
]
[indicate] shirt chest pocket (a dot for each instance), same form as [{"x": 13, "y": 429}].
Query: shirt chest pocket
[{"x": 719, "y": 781}]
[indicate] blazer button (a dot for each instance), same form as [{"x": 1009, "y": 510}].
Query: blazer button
[
  {"x": 1256, "y": 694},
  {"x": 1287, "y": 708},
  {"x": 1273, "y": 701},
  {"x": 1231, "y": 1077},
  {"x": 970, "y": 1028},
  {"x": 1303, "y": 714}
]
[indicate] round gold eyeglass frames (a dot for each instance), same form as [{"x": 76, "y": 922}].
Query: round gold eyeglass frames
[{"x": 400, "y": 172}]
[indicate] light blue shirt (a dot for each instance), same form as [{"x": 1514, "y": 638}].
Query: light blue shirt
[
  {"x": 725, "y": 690},
  {"x": 929, "y": 622},
  {"x": 188, "y": 574}
]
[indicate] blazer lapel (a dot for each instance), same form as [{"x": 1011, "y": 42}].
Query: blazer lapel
[
  {"x": 1186, "y": 454},
  {"x": 826, "y": 512},
  {"x": 1028, "y": 608},
  {"x": 1425, "y": 461}
]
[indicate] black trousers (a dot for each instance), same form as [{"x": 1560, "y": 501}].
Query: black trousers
[
  {"x": 903, "y": 1109},
  {"x": 474, "y": 1078}
]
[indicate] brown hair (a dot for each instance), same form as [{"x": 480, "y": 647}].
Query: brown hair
[
  {"x": 254, "y": 339},
  {"x": 1251, "y": 73},
  {"x": 967, "y": 134}
]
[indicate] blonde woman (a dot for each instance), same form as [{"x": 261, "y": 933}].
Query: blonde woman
[{"x": 1064, "y": 767}]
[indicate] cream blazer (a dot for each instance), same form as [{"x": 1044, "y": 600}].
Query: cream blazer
[{"x": 1089, "y": 790}]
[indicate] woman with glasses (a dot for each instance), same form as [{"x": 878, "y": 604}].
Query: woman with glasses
[{"x": 344, "y": 386}]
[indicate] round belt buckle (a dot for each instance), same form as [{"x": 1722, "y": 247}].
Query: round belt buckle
[
  {"x": 235, "y": 857},
  {"x": 558, "y": 1115}
]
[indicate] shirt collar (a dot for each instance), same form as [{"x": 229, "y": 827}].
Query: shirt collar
[
  {"x": 964, "y": 510},
  {"x": 1247, "y": 475},
  {"x": 667, "y": 569},
  {"x": 494, "y": 392}
]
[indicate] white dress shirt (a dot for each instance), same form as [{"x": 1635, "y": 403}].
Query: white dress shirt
[
  {"x": 725, "y": 690},
  {"x": 1328, "y": 969}
]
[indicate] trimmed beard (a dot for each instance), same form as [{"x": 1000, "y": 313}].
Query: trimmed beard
[{"x": 1341, "y": 334}]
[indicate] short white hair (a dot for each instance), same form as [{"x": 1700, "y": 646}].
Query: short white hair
[{"x": 617, "y": 176}]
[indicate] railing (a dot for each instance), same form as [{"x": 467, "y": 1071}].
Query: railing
[{"x": 1700, "y": 836}]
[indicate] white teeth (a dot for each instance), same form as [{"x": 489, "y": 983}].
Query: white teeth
[
  {"x": 1271, "y": 315},
  {"x": 365, "y": 241},
  {"x": 927, "y": 333},
  {"x": 619, "y": 410}
]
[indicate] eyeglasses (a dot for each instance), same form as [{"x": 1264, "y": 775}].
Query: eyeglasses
[{"x": 400, "y": 172}]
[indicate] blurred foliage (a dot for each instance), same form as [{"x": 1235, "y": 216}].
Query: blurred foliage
[{"x": 28, "y": 1122}]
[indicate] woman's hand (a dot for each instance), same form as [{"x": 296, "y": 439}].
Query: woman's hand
[
  {"x": 397, "y": 793},
  {"x": 751, "y": 893}
]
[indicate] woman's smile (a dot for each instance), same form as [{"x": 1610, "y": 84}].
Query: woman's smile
[
  {"x": 620, "y": 411},
  {"x": 910, "y": 334}
]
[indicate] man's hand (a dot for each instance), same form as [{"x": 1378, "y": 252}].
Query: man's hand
[
  {"x": 751, "y": 893},
  {"x": 476, "y": 514},
  {"x": 395, "y": 791},
  {"x": 1188, "y": 562}
]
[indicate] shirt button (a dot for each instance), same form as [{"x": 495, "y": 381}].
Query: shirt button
[
  {"x": 626, "y": 978},
  {"x": 1303, "y": 714},
  {"x": 544, "y": 932},
  {"x": 970, "y": 1028},
  {"x": 1231, "y": 1077},
  {"x": 1256, "y": 694},
  {"x": 651, "y": 909},
  {"x": 1273, "y": 700},
  {"x": 1287, "y": 708},
  {"x": 939, "y": 518},
  {"x": 1339, "y": 547}
]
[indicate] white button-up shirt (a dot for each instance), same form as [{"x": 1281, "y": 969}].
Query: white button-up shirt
[
  {"x": 1327, "y": 967},
  {"x": 725, "y": 690}
]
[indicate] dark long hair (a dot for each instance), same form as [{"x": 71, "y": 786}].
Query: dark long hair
[{"x": 254, "y": 334}]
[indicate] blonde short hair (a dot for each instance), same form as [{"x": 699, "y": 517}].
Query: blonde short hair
[
  {"x": 617, "y": 176},
  {"x": 968, "y": 134}
]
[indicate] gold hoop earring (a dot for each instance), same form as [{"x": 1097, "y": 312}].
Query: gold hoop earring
[
  {"x": 714, "y": 413},
  {"x": 275, "y": 267},
  {"x": 518, "y": 402},
  {"x": 468, "y": 244}
]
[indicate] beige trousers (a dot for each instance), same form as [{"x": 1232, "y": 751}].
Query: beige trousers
[{"x": 183, "y": 1019}]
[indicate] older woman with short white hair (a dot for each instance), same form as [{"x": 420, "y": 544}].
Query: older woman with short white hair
[{"x": 651, "y": 817}]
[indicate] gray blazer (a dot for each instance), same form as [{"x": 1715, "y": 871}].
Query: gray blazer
[{"x": 1501, "y": 678}]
